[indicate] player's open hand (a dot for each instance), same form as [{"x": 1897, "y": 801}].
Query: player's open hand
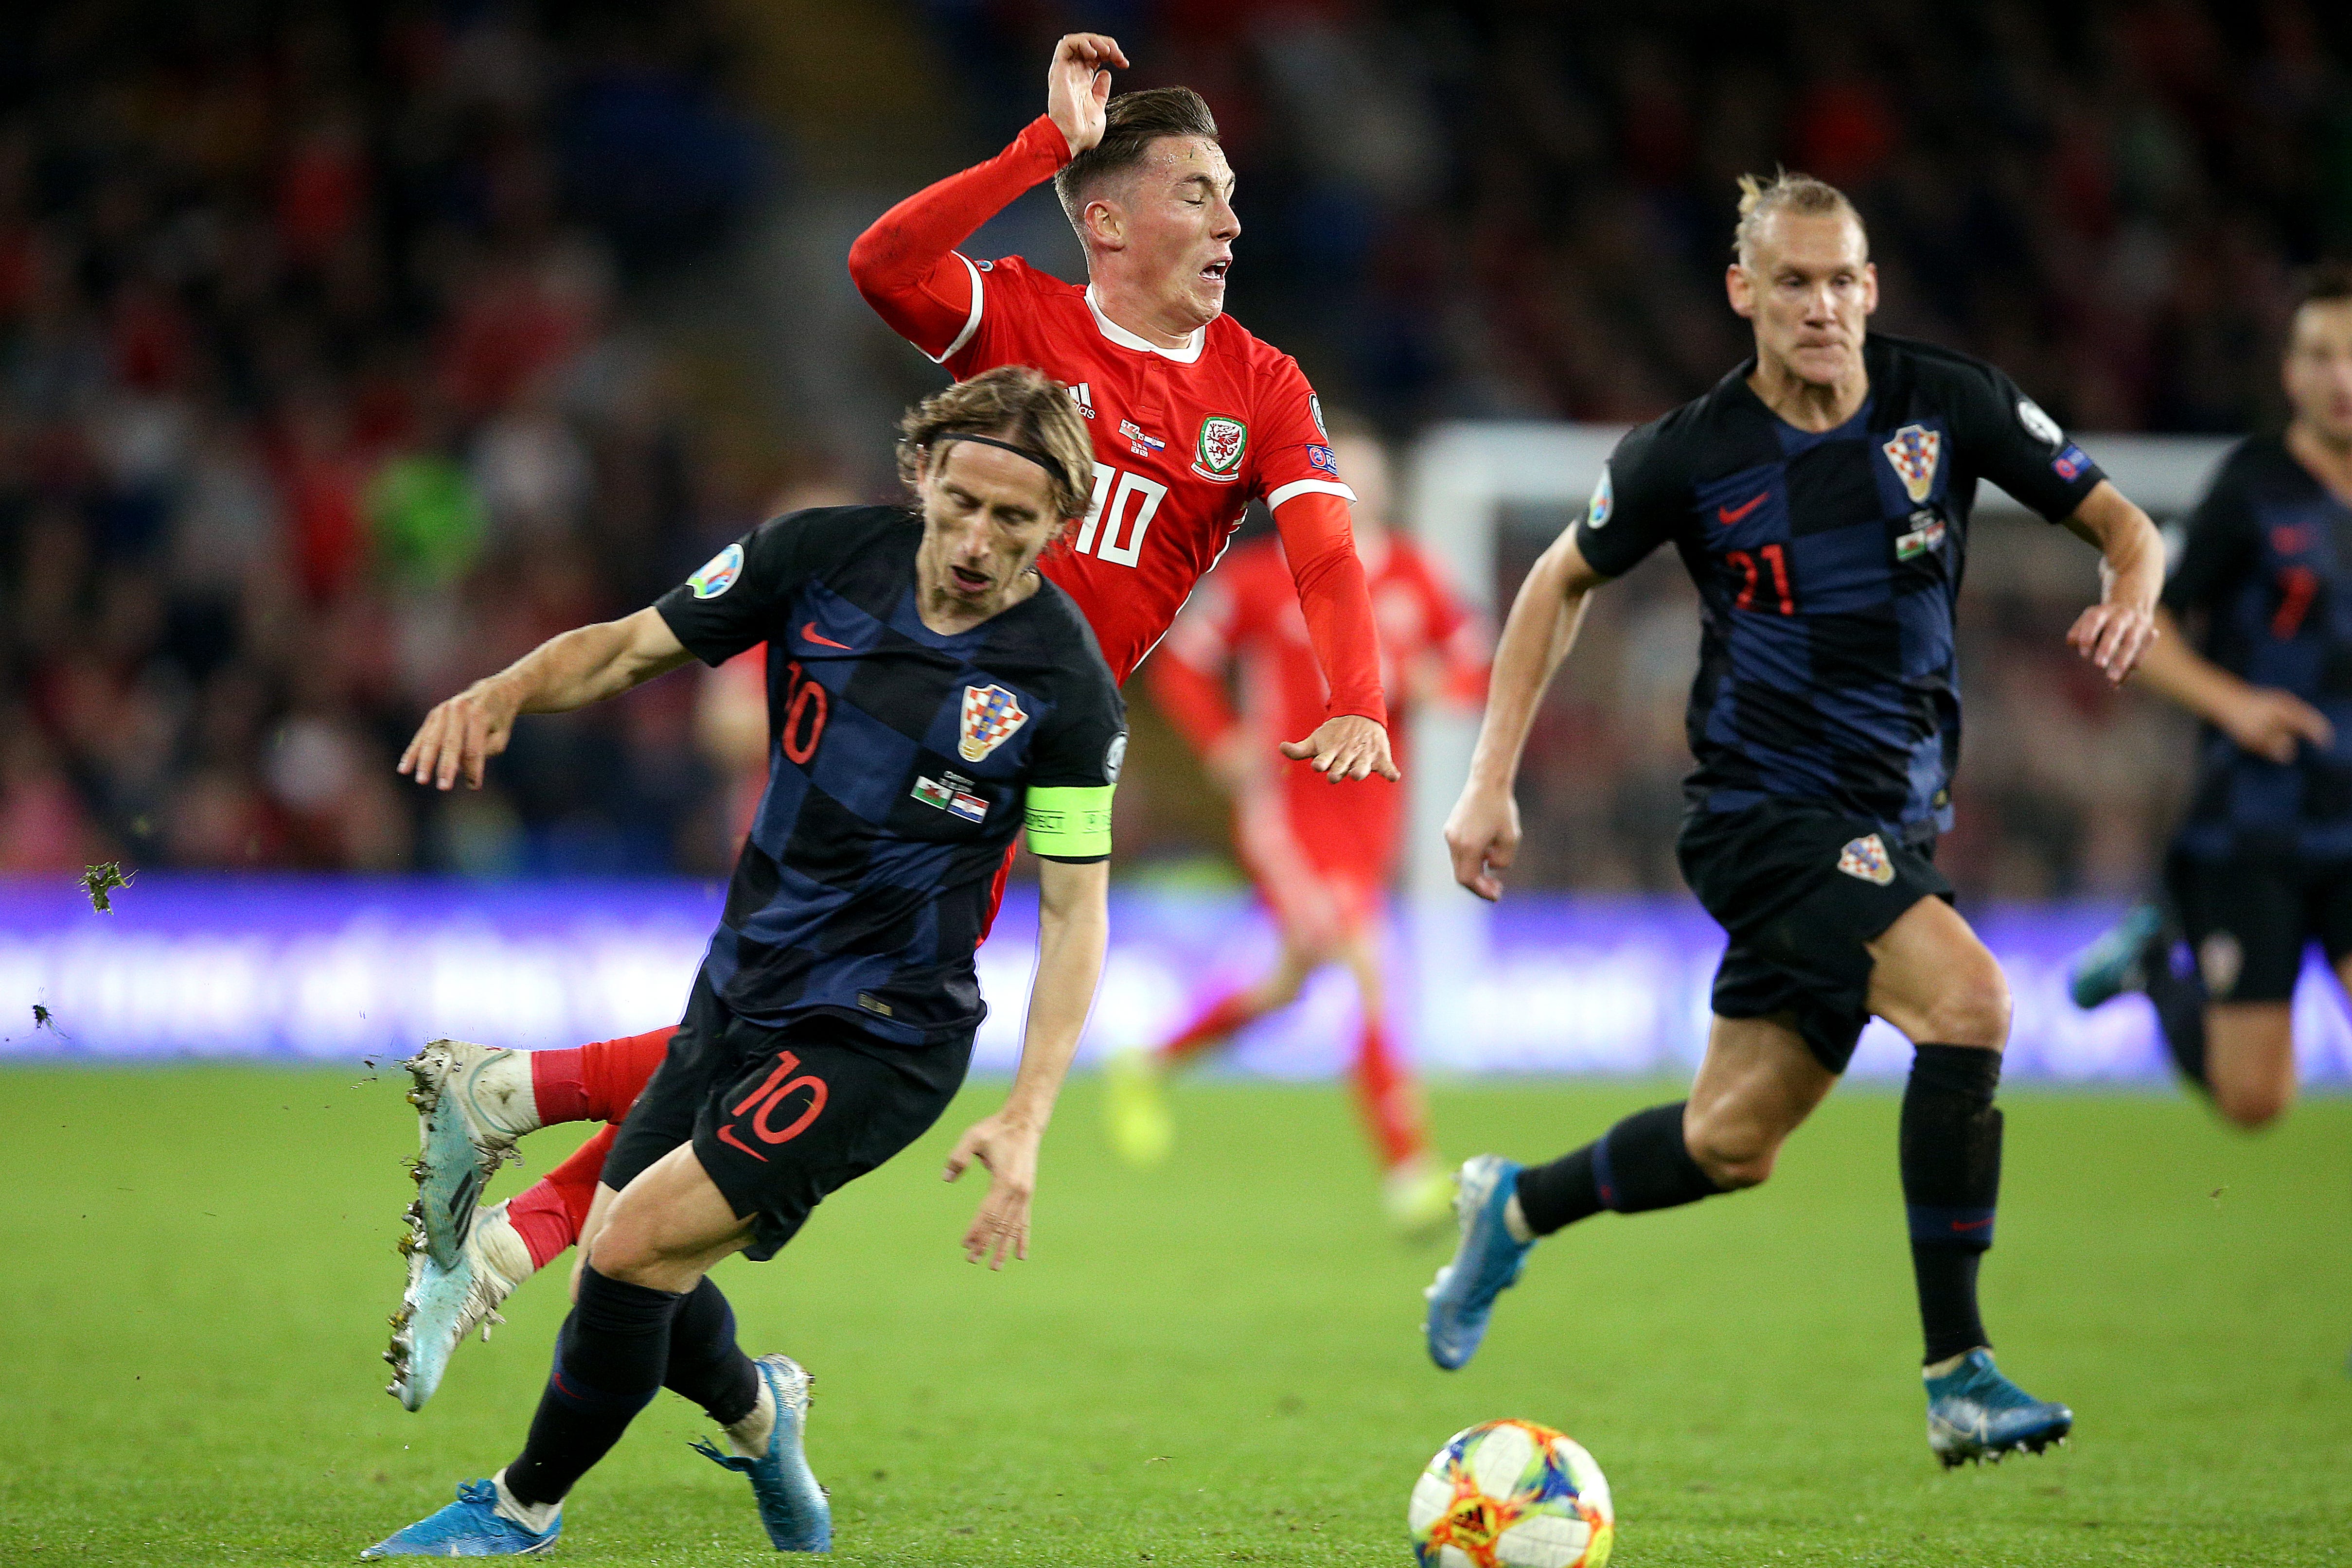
[
  {"x": 1482, "y": 834},
  {"x": 1077, "y": 86},
  {"x": 1346, "y": 749},
  {"x": 2271, "y": 723},
  {"x": 1009, "y": 1150},
  {"x": 2113, "y": 637},
  {"x": 460, "y": 736}
]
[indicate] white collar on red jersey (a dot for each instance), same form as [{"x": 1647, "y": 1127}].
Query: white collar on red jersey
[{"x": 1118, "y": 334}]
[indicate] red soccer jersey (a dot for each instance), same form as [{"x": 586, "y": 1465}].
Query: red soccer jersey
[
  {"x": 1245, "y": 617},
  {"x": 1184, "y": 438}
]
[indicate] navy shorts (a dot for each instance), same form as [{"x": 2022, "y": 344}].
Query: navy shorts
[
  {"x": 781, "y": 1116},
  {"x": 2249, "y": 916},
  {"x": 1802, "y": 889}
]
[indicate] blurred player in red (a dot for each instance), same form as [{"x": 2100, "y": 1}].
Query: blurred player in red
[
  {"x": 1192, "y": 418},
  {"x": 1321, "y": 858}
]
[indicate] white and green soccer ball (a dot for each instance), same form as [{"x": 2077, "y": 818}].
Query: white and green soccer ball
[{"x": 1511, "y": 1494}]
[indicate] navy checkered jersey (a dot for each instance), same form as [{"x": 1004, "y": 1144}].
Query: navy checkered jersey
[
  {"x": 1827, "y": 565},
  {"x": 2268, "y": 564},
  {"x": 901, "y": 763}
]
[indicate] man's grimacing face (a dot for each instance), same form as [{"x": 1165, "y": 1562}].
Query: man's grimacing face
[{"x": 1175, "y": 216}]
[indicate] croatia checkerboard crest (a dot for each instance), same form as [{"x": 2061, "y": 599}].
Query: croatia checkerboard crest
[
  {"x": 1866, "y": 857},
  {"x": 1913, "y": 452},
  {"x": 1218, "y": 453},
  {"x": 989, "y": 714}
]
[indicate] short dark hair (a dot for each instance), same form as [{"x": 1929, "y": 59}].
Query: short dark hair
[
  {"x": 1131, "y": 123},
  {"x": 1013, "y": 403},
  {"x": 2329, "y": 283}
]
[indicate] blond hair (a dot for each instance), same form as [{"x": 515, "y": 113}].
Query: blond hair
[
  {"x": 1012, "y": 403},
  {"x": 1786, "y": 192}
]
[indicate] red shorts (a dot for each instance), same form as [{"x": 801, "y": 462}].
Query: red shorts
[{"x": 1321, "y": 854}]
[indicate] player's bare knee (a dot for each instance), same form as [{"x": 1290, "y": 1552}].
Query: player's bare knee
[
  {"x": 1733, "y": 1153},
  {"x": 1974, "y": 1009}
]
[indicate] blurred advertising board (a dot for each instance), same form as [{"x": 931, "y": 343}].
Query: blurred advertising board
[{"x": 343, "y": 968}]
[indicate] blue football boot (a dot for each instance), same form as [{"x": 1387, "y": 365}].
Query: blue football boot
[
  {"x": 1485, "y": 1264},
  {"x": 1975, "y": 1413},
  {"x": 2118, "y": 962},
  {"x": 470, "y": 1527},
  {"x": 792, "y": 1506}
]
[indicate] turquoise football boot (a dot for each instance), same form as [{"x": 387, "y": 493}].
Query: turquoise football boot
[
  {"x": 442, "y": 1306},
  {"x": 470, "y": 1527},
  {"x": 792, "y": 1506},
  {"x": 2118, "y": 962},
  {"x": 1485, "y": 1264},
  {"x": 1975, "y": 1413},
  {"x": 467, "y": 1130}
]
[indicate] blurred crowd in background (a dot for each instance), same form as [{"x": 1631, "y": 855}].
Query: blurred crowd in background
[{"x": 346, "y": 351}]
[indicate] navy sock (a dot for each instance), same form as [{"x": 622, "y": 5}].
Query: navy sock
[
  {"x": 1639, "y": 1164},
  {"x": 1951, "y": 1186},
  {"x": 2179, "y": 998},
  {"x": 610, "y": 1357},
  {"x": 706, "y": 1364}
]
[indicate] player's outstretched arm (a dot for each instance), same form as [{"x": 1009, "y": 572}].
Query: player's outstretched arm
[
  {"x": 905, "y": 264},
  {"x": 2263, "y": 719},
  {"x": 1073, "y": 929},
  {"x": 1319, "y": 544},
  {"x": 1483, "y": 831},
  {"x": 584, "y": 665},
  {"x": 2115, "y": 632}
]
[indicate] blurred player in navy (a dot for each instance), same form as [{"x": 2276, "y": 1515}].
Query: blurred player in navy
[
  {"x": 1820, "y": 498},
  {"x": 2264, "y": 863},
  {"x": 931, "y": 694}
]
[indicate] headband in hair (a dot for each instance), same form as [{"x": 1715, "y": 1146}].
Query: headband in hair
[{"x": 1038, "y": 458}]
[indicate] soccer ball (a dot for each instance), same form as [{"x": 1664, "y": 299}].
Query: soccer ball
[{"x": 1511, "y": 1494}]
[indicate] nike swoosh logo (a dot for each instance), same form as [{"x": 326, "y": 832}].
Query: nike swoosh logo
[
  {"x": 1970, "y": 1224},
  {"x": 1728, "y": 516},
  {"x": 809, "y": 633}
]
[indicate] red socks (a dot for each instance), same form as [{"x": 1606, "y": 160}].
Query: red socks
[
  {"x": 597, "y": 1082},
  {"x": 549, "y": 1212},
  {"x": 594, "y": 1082},
  {"x": 1222, "y": 1016},
  {"x": 1384, "y": 1091}
]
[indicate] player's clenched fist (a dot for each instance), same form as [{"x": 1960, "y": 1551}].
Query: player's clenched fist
[
  {"x": 1077, "y": 86},
  {"x": 1482, "y": 834},
  {"x": 460, "y": 735}
]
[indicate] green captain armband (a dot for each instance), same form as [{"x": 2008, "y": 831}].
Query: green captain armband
[{"x": 1070, "y": 824}]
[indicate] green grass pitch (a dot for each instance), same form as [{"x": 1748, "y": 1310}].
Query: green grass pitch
[{"x": 1215, "y": 1363}]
